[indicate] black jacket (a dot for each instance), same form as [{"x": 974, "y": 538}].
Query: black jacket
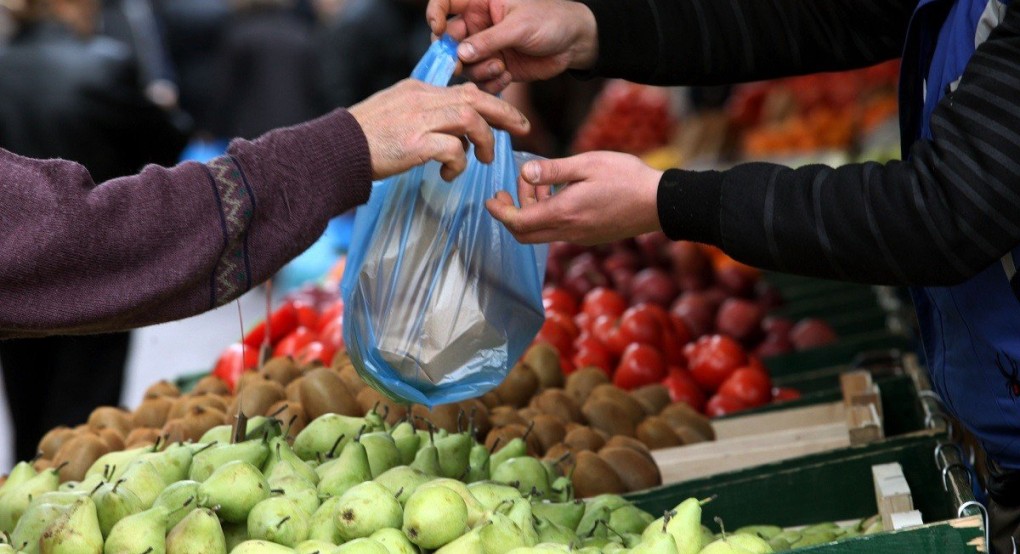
[{"x": 61, "y": 97}]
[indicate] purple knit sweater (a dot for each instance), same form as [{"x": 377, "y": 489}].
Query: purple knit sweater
[{"x": 167, "y": 243}]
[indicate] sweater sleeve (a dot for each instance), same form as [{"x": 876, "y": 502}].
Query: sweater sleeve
[
  {"x": 937, "y": 219},
  {"x": 709, "y": 42},
  {"x": 167, "y": 243}
]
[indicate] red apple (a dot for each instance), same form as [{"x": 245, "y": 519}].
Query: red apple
[
  {"x": 652, "y": 285},
  {"x": 735, "y": 281},
  {"x": 811, "y": 333},
  {"x": 696, "y": 311},
  {"x": 740, "y": 319}
]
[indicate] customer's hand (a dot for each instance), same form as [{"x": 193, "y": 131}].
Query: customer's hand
[
  {"x": 519, "y": 40},
  {"x": 608, "y": 196},
  {"x": 411, "y": 123}
]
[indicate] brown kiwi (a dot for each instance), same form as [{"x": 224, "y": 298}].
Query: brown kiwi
[
  {"x": 448, "y": 416},
  {"x": 544, "y": 360},
  {"x": 210, "y": 384},
  {"x": 201, "y": 419},
  {"x": 351, "y": 379},
  {"x": 620, "y": 441},
  {"x": 527, "y": 414},
  {"x": 558, "y": 453},
  {"x": 176, "y": 430},
  {"x": 183, "y": 405},
  {"x": 42, "y": 464},
  {"x": 688, "y": 435},
  {"x": 679, "y": 413},
  {"x": 53, "y": 439},
  {"x": 113, "y": 439},
  {"x": 151, "y": 412},
  {"x": 323, "y": 392},
  {"x": 636, "y": 471},
  {"x": 293, "y": 390},
  {"x": 549, "y": 431},
  {"x": 368, "y": 398},
  {"x": 593, "y": 476},
  {"x": 340, "y": 359},
  {"x": 108, "y": 416},
  {"x": 609, "y": 415},
  {"x": 583, "y": 438},
  {"x": 557, "y": 403},
  {"x": 581, "y": 382},
  {"x": 256, "y": 398},
  {"x": 653, "y": 398},
  {"x": 518, "y": 387},
  {"x": 632, "y": 408},
  {"x": 141, "y": 436},
  {"x": 162, "y": 388},
  {"x": 291, "y": 415},
  {"x": 478, "y": 415},
  {"x": 504, "y": 415},
  {"x": 571, "y": 425},
  {"x": 281, "y": 369},
  {"x": 247, "y": 378},
  {"x": 656, "y": 433},
  {"x": 491, "y": 400},
  {"x": 78, "y": 454},
  {"x": 501, "y": 436}
]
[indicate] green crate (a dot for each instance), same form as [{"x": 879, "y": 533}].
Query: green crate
[
  {"x": 826, "y": 303},
  {"x": 838, "y": 354}
]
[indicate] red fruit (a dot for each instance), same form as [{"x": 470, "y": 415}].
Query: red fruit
[
  {"x": 307, "y": 315},
  {"x": 564, "y": 250},
  {"x": 556, "y": 336},
  {"x": 606, "y": 330},
  {"x": 566, "y": 366},
  {"x": 281, "y": 323},
  {"x": 740, "y": 319},
  {"x": 234, "y": 361},
  {"x": 696, "y": 311},
  {"x": 593, "y": 357},
  {"x": 333, "y": 311},
  {"x": 750, "y": 385},
  {"x": 294, "y": 342},
  {"x": 716, "y": 295},
  {"x": 720, "y": 405},
  {"x": 768, "y": 296},
  {"x": 314, "y": 351},
  {"x": 622, "y": 280},
  {"x": 784, "y": 394},
  {"x": 559, "y": 299},
  {"x": 735, "y": 280},
  {"x": 681, "y": 332},
  {"x": 811, "y": 333},
  {"x": 714, "y": 359},
  {"x": 621, "y": 259},
  {"x": 774, "y": 325},
  {"x": 583, "y": 322},
  {"x": 691, "y": 266},
  {"x": 653, "y": 285},
  {"x": 773, "y": 345},
  {"x": 564, "y": 321},
  {"x": 640, "y": 365},
  {"x": 652, "y": 247},
  {"x": 643, "y": 324},
  {"x": 683, "y": 388},
  {"x": 583, "y": 275},
  {"x": 332, "y": 335},
  {"x": 603, "y": 301}
]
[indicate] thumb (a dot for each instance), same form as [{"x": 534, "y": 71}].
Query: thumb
[
  {"x": 488, "y": 43},
  {"x": 561, "y": 171}
]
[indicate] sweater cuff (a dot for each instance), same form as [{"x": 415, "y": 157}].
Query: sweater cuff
[
  {"x": 336, "y": 150},
  {"x": 626, "y": 44},
  {"x": 690, "y": 205}
]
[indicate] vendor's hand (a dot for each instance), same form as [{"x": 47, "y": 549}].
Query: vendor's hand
[
  {"x": 411, "y": 123},
  {"x": 519, "y": 40},
  {"x": 608, "y": 196}
]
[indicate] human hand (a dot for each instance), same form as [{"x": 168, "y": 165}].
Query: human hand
[
  {"x": 608, "y": 196},
  {"x": 517, "y": 40},
  {"x": 411, "y": 123}
]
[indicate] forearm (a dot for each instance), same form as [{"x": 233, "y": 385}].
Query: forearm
[
  {"x": 170, "y": 242},
  {"x": 704, "y": 42}
]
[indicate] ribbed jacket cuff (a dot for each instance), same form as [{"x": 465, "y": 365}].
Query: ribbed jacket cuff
[
  {"x": 690, "y": 204},
  {"x": 623, "y": 29},
  {"x": 336, "y": 151}
]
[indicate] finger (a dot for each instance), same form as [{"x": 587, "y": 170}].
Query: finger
[
  {"x": 495, "y": 111},
  {"x": 447, "y": 150},
  {"x": 528, "y": 219},
  {"x": 487, "y": 43},
  {"x": 486, "y": 70},
  {"x": 564, "y": 170},
  {"x": 526, "y": 193},
  {"x": 543, "y": 192},
  {"x": 456, "y": 28},
  {"x": 438, "y": 10},
  {"x": 496, "y": 86},
  {"x": 464, "y": 120}
]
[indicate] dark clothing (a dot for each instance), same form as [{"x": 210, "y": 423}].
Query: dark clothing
[
  {"x": 371, "y": 46},
  {"x": 1003, "y": 507},
  {"x": 267, "y": 67},
  {"x": 134, "y": 23}
]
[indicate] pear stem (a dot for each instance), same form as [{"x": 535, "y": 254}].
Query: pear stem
[
  {"x": 704, "y": 501},
  {"x": 282, "y": 521},
  {"x": 117, "y": 484},
  {"x": 471, "y": 420},
  {"x": 38, "y": 455},
  {"x": 148, "y": 550},
  {"x": 460, "y": 420},
  {"x": 155, "y": 447},
  {"x": 399, "y": 492},
  {"x": 277, "y": 491},
  {"x": 528, "y": 432},
  {"x": 97, "y": 488},
  {"x": 722, "y": 528},
  {"x": 339, "y": 439},
  {"x": 385, "y": 411},
  {"x": 495, "y": 443},
  {"x": 279, "y": 457},
  {"x": 279, "y": 411},
  {"x": 361, "y": 431},
  {"x": 206, "y": 447},
  {"x": 60, "y": 467},
  {"x": 566, "y": 456},
  {"x": 188, "y": 501}
]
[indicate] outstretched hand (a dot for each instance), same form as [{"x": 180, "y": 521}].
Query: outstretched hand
[
  {"x": 516, "y": 40},
  {"x": 411, "y": 123},
  {"x": 607, "y": 196}
]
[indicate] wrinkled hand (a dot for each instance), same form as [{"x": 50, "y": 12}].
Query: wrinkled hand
[
  {"x": 609, "y": 196},
  {"x": 411, "y": 123},
  {"x": 519, "y": 40}
]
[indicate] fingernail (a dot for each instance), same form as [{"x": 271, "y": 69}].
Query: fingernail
[
  {"x": 532, "y": 172},
  {"x": 432, "y": 23},
  {"x": 466, "y": 51}
]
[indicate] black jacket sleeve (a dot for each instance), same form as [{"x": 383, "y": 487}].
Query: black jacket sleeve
[
  {"x": 706, "y": 42},
  {"x": 937, "y": 219}
]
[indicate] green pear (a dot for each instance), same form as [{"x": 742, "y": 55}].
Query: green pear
[
  {"x": 382, "y": 452},
  {"x": 402, "y": 481},
  {"x": 261, "y": 547},
  {"x": 256, "y": 428},
  {"x": 236, "y": 488},
  {"x": 178, "y": 499},
  {"x": 478, "y": 463},
  {"x": 685, "y": 526},
  {"x": 764, "y": 531},
  {"x": 198, "y": 533},
  {"x": 172, "y": 464},
  {"x": 87, "y": 484},
  {"x": 366, "y": 508},
  {"x": 76, "y": 531},
  {"x": 526, "y": 472},
  {"x": 280, "y": 520},
  {"x": 17, "y": 498},
  {"x": 613, "y": 548},
  {"x": 780, "y": 544},
  {"x": 749, "y": 542},
  {"x": 115, "y": 502},
  {"x": 221, "y": 434},
  {"x": 58, "y": 497},
  {"x": 287, "y": 479},
  {"x": 658, "y": 543},
  {"x": 587, "y": 550},
  {"x": 520, "y": 513},
  {"x": 475, "y": 510},
  {"x": 322, "y": 526},
  {"x": 562, "y": 489},
  {"x": 629, "y": 519},
  {"x": 360, "y": 546},
  {"x": 312, "y": 546},
  {"x": 21, "y": 472},
  {"x": 490, "y": 494},
  {"x": 722, "y": 546},
  {"x": 434, "y": 517},
  {"x": 234, "y": 533},
  {"x": 406, "y": 440},
  {"x": 426, "y": 460},
  {"x": 815, "y": 538},
  {"x": 565, "y": 514},
  {"x": 112, "y": 465},
  {"x": 8, "y": 549},
  {"x": 500, "y": 535},
  {"x": 326, "y": 433},
  {"x": 33, "y": 523},
  {"x": 594, "y": 514},
  {"x": 454, "y": 455},
  {"x": 708, "y": 536},
  {"x": 141, "y": 532},
  {"x": 395, "y": 541},
  {"x": 281, "y": 452},
  {"x": 630, "y": 540},
  {"x": 516, "y": 448},
  {"x": 346, "y": 471},
  {"x": 142, "y": 479},
  {"x": 468, "y": 543},
  {"x": 204, "y": 463},
  {"x": 549, "y": 531}
]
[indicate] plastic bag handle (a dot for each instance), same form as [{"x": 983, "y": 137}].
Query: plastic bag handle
[{"x": 436, "y": 67}]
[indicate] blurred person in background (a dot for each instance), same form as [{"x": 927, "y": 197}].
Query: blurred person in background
[
  {"x": 266, "y": 69},
  {"x": 134, "y": 23},
  {"x": 370, "y": 46},
  {"x": 66, "y": 94}
]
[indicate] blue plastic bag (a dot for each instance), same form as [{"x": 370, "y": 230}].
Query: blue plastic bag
[{"x": 439, "y": 299}]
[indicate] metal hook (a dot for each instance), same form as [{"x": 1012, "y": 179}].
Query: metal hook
[
  {"x": 1013, "y": 540},
  {"x": 929, "y": 422},
  {"x": 984, "y": 518},
  {"x": 945, "y": 475},
  {"x": 938, "y": 450},
  {"x": 929, "y": 394}
]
